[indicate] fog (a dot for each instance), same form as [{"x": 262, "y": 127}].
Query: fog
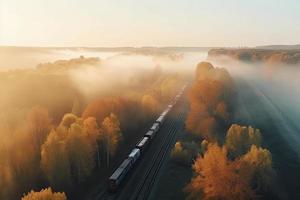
[
  {"x": 278, "y": 87},
  {"x": 114, "y": 69},
  {"x": 48, "y": 83}
]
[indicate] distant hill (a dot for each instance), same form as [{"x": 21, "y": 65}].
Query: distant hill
[
  {"x": 280, "y": 47},
  {"x": 268, "y": 56},
  {"x": 108, "y": 49}
]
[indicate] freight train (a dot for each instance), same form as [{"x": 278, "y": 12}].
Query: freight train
[{"x": 119, "y": 174}]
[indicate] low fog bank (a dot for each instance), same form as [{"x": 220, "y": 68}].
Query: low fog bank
[
  {"x": 112, "y": 70},
  {"x": 267, "y": 56},
  {"x": 81, "y": 76},
  {"x": 127, "y": 88},
  {"x": 278, "y": 86},
  {"x": 28, "y": 57}
]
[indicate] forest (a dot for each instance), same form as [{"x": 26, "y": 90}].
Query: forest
[
  {"x": 65, "y": 121},
  {"x": 227, "y": 159},
  {"x": 259, "y": 55},
  {"x": 66, "y": 125}
]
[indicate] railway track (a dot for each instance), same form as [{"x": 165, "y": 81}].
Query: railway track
[
  {"x": 146, "y": 181},
  {"x": 145, "y": 186}
]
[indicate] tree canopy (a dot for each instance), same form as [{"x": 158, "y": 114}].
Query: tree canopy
[{"x": 45, "y": 194}]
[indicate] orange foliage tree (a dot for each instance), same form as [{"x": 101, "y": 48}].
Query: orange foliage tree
[
  {"x": 239, "y": 139},
  {"x": 260, "y": 160},
  {"x": 45, "y": 194},
  {"x": 112, "y": 134},
  {"x": 210, "y": 101},
  {"x": 68, "y": 155},
  {"x": 219, "y": 178}
]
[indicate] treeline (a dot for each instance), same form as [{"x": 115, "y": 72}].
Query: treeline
[
  {"x": 52, "y": 135},
  {"x": 71, "y": 150},
  {"x": 227, "y": 160},
  {"x": 62, "y": 66},
  {"x": 257, "y": 55},
  {"x": 61, "y": 156},
  {"x": 240, "y": 169},
  {"x": 45, "y": 194},
  {"x": 211, "y": 102}
]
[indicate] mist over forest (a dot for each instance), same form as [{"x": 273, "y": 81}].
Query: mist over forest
[
  {"x": 47, "y": 93},
  {"x": 276, "y": 82},
  {"x": 61, "y": 106}
]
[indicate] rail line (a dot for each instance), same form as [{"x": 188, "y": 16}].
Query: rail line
[
  {"x": 171, "y": 126},
  {"x": 147, "y": 181},
  {"x": 146, "y": 185}
]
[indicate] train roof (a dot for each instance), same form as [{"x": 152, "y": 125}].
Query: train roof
[
  {"x": 143, "y": 141},
  {"x": 120, "y": 169},
  {"x": 165, "y": 111},
  {"x": 149, "y": 132},
  {"x": 125, "y": 163},
  {"x": 161, "y": 117},
  {"x": 133, "y": 152},
  {"x": 155, "y": 125}
]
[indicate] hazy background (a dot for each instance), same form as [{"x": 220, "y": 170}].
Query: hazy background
[
  {"x": 149, "y": 23},
  {"x": 22, "y": 58}
]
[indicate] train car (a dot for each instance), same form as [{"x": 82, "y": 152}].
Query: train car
[
  {"x": 116, "y": 178},
  {"x": 166, "y": 111},
  {"x": 134, "y": 155},
  {"x": 150, "y": 134},
  {"x": 143, "y": 144},
  {"x": 155, "y": 127},
  {"x": 161, "y": 119}
]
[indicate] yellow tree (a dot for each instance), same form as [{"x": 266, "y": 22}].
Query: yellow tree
[
  {"x": 178, "y": 154},
  {"x": 93, "y": 132},
  {"x": 216, "y": 177},
  {"x": 26, "y": 169},
  {"x": 68, "y": 153},
  {"x": 240, "y": 138},
  {"x": 45, "y": 194},
  {"x": 260, "y": 160},
  {"x": 112, "y": 134},
  {"x": 55, "y": 161},
  {"x": 38, "y": 125},
  {"x": 80, "y": 153},
  {"x": 68, "y": 120}
]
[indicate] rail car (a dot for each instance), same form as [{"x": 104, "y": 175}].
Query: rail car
[
  {"x": 143, "y": 144},
  {"x": 135, "y": 155},
  {"x": 166, "y": 111},
  {"x": 150, "y": 134},
  {"x": 161, "y": 119},
  {"x": 116, "y": 178},
  {"x": 155, "y": 127}
]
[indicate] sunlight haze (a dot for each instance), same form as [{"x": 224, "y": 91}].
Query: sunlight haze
[{"x": 148, "y": 23}]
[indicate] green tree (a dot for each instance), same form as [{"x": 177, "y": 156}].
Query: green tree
[{"x": 239, "y": 139}]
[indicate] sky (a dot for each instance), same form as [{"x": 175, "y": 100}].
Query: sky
[{"x": 111, "y": 23}]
